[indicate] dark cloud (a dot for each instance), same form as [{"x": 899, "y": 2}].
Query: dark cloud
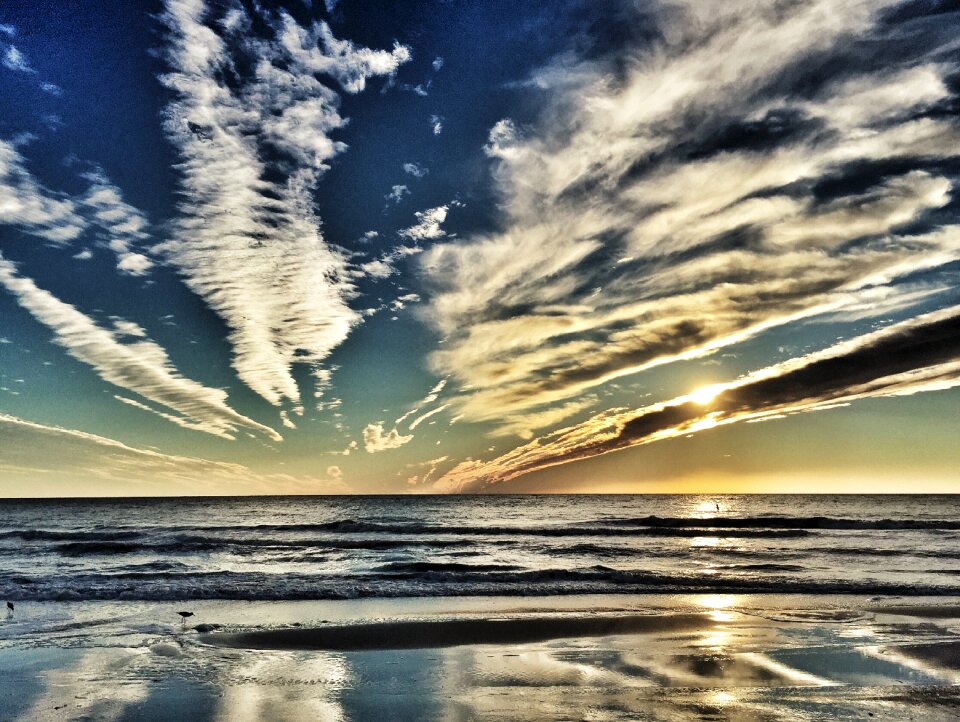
[{"x": 911, "y": 357}]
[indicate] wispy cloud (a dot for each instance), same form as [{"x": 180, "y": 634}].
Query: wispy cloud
[
  {"x": 12, "y": 58},
  {"x": 423, "y": 417},
  {"x": 59, "y": 460},
  {"x": 140, "y": 365},
  {"x": 415, "y": 169},
  {"x": 397, "y": 193},
  {"x": 428, "y": 474},
  {"x": 662, "y": 205},
  {"x": 922, "y": 354},
  {"x": 123, "y": 226},
  {"x": 386, "y": 265},
  {"x": 428, "y": 224},
  {"x": 25, "y": 203},
  {"x": 253, "y": 150},
  {"x": 432, "y": 396},
  {"x": 375, "y": 439},
  {"x": 378, "y": 268},
  {"x": 61, "y": 218}
]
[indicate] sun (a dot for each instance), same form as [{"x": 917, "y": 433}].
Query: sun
[{"x": 705, "y": 394}]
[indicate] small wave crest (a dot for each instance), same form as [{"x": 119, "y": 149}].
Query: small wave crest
[{"x": 782, "y": 522}]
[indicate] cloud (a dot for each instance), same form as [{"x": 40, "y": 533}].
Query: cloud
[
  {"x": 378, "y": 269},
  {"x": 374, "y": 438},
  {"x": 919, "y": 355},
  {"x": 252, "y": 152},
  {"x": 122, "y": 327},
  {"x": 397, "y": 193},
  {"x": 14, "y": 60},
  {"x": 386, "y": 265},
  {"x": 400, "y": 303},
  {"x": 349, "y": 449},
  {"x": 743, "y": 170},
  {"x": 432, "y": 396},
  {"x": 415, "y": 169},
  {"x": 428, "y": 475},
  {"x": 140, "y": 366},
  {"x": 61, "y": 218},
  {"x": 123, "y": 227},
  {"x": 525, "y": 424},
  {"x": 25, "y": 203},
  {"x": 423, "y": 417},
  {"x": 421, "y": 89},
  {"x": 53, "y": 461},
  {"x": 428, "y": 224}
]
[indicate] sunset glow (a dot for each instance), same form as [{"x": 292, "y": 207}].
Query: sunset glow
[{"x": 340, "y": 248}]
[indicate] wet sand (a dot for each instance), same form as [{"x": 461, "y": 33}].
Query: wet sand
[
  {"x": 672, "y": 658},
  {"x": 524, "y": 629}
]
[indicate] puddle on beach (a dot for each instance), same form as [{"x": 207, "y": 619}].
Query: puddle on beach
[{"x": 740, "y": 662}]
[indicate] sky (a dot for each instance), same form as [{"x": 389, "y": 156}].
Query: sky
[{"x": 455, "y": 246}]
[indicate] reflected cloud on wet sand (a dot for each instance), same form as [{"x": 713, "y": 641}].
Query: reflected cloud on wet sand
[{"x": 739, "y": 661}]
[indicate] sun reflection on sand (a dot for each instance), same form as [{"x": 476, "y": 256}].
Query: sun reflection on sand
[
  {"x": 716, "y": 601},
  {"x": 286, "y": 686},
  {"x": 717, "y": 606}
]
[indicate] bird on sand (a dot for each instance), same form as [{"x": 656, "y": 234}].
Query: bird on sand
[
  {"x": 10, "y": 607},
  {"x": 184, "y": 616}
]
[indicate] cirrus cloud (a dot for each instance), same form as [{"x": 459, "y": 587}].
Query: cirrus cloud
[
  {"x": 252, "y": 152},
  {"x": 661, "y": 206}
]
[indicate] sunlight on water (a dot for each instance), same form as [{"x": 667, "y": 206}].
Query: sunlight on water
[
  {"x": 350, "y": 548},
  {"x": 721, "y": 697}
]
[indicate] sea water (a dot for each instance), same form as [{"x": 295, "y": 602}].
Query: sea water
[{"x": 288, "y": 548}]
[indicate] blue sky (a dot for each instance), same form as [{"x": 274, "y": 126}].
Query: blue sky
[{"x": 452, "y": 246}]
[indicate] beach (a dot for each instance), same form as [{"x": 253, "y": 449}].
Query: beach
[
  {"x": 597, "y": 657},
  {"x": 678, "y": 607}
]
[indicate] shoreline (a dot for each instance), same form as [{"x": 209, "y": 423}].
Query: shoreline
[{"x": 671, "y": 657}]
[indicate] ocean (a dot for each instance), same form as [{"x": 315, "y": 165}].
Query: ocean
[{"x": 296, "y": 548}]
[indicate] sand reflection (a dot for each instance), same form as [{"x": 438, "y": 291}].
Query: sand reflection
[
  {"x": 281, "y": 687},
  {"x": 696, "y": 657}
]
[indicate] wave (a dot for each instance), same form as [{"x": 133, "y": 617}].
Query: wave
[
  {"x": 888, "y": 552},
  {"x": 98, "y": 548},
  {"x": 783, "y": 522},
  {"x": 597, "y": 579},
  {"x": 350, "y": 526},
  {"x": 242, "y": 546},
  {"x": 773, "y": 527},
  {"x": 56, "y": 535},
  {"x": 420, "y": 567}
]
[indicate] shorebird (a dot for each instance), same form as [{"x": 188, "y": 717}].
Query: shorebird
[
  {"x": 183, "y": 617},
  {"x": 10, "y": 607}
]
